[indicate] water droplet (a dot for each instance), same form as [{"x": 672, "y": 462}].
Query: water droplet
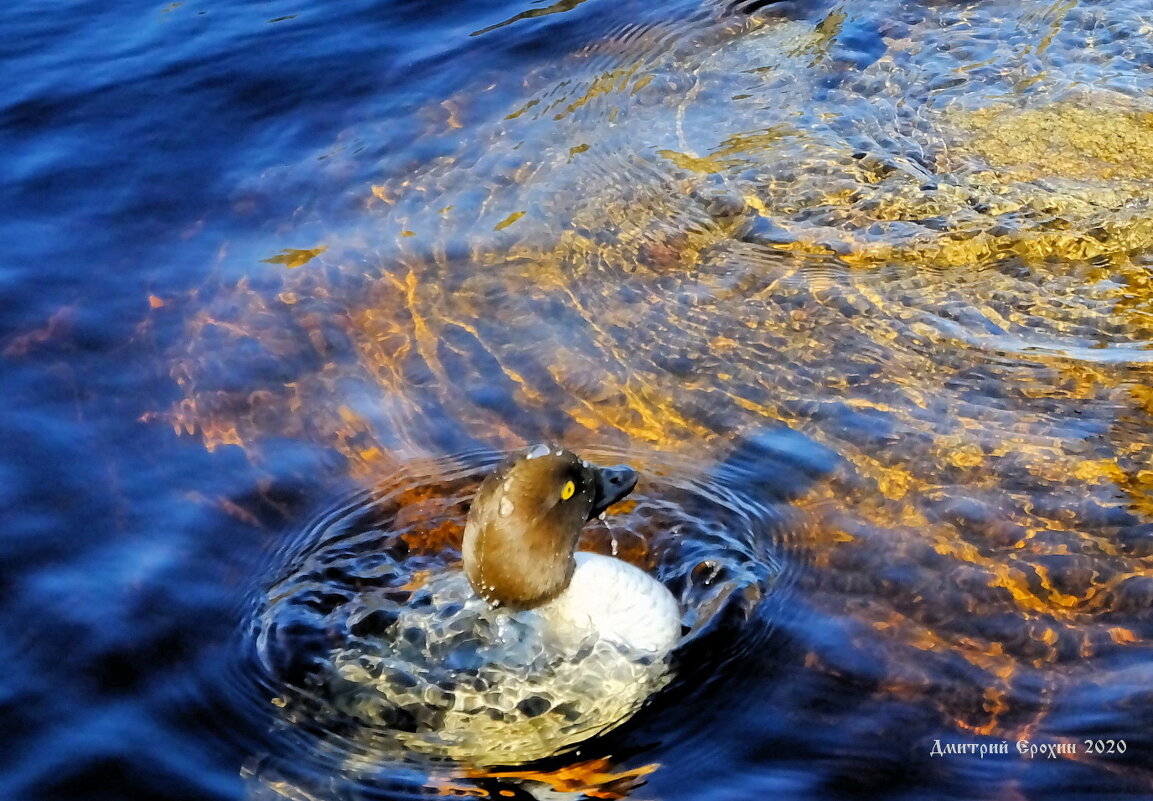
[
  {"x": 537, "y": 451},
  {"x": 506, "y": 506}
]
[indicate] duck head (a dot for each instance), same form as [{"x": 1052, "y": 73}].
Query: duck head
[{"x": 526, "y": 518}]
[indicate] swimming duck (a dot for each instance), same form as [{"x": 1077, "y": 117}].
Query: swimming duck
[{"x": 532, "y": 647}]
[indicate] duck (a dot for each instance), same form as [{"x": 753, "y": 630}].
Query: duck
[{"x": 531, "y": 646}]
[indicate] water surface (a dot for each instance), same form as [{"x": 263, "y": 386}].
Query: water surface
[{"x": 863, "y": 290}]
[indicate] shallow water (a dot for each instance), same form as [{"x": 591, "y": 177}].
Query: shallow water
[{"x": 863, "y": 291}]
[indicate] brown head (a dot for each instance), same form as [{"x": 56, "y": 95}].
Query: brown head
[{"x": 525, "y": 521}]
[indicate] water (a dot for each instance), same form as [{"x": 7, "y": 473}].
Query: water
[{"x": 863, "y": 291}]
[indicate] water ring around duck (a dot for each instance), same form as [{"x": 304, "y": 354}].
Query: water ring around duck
[{"x": 728, "y": 557}]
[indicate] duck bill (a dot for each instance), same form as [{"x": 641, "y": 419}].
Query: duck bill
[{"x": 612, "y": 484}]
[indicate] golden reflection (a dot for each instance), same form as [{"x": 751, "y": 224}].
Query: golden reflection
[
  {"x": 293, "y": 257},
  {"x": 555, "y": 8},
  {"x": 963, "y": 314},
  {"x": 1104, "y": 139},
  {"x": 593, "y": 778}
]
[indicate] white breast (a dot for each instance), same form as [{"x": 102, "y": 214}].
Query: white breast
[{"x": 615, "y": 601}]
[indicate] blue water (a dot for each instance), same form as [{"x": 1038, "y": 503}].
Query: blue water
[
  {"x": 154, "y": 154},
  {"x": 128, "y": 132}
]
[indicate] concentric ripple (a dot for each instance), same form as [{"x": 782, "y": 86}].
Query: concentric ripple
[
  {"x": 914, "y": 237},
  {"x": 724, "y": 555}
]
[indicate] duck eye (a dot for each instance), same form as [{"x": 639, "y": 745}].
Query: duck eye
[{"x": 567, "y": 490}]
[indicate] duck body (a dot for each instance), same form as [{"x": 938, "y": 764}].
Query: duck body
[
  {"x": 613, "y": 600},
  {"x": 531, "y": 648}
]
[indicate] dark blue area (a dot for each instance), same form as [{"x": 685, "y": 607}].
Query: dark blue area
[
  {"x": 777, "y": 463},
  {"x": 129, "y": 133},
  {"x": 136, "y": 141}
]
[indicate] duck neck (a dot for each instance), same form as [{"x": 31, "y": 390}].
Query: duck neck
[{"x": 517, "y": 572}]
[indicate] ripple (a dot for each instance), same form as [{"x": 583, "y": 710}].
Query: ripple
[
  {"x": 724, "y": 554},
  {"x": 915, "y": 244}
]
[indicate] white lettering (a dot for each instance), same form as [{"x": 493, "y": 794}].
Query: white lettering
[{"x": 1047, "y": 750}]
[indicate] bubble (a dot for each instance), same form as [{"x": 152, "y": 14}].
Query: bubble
[
  {"x": 537, "y": 451},
  {"x": 507, "y": 507}
]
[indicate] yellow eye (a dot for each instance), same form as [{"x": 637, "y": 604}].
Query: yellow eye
[{"x": 567, "y": 490}]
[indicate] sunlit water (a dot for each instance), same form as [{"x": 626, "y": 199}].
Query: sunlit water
[
  {"x": 705, "y": 538},
  {"x": 864, "y": 291}
]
